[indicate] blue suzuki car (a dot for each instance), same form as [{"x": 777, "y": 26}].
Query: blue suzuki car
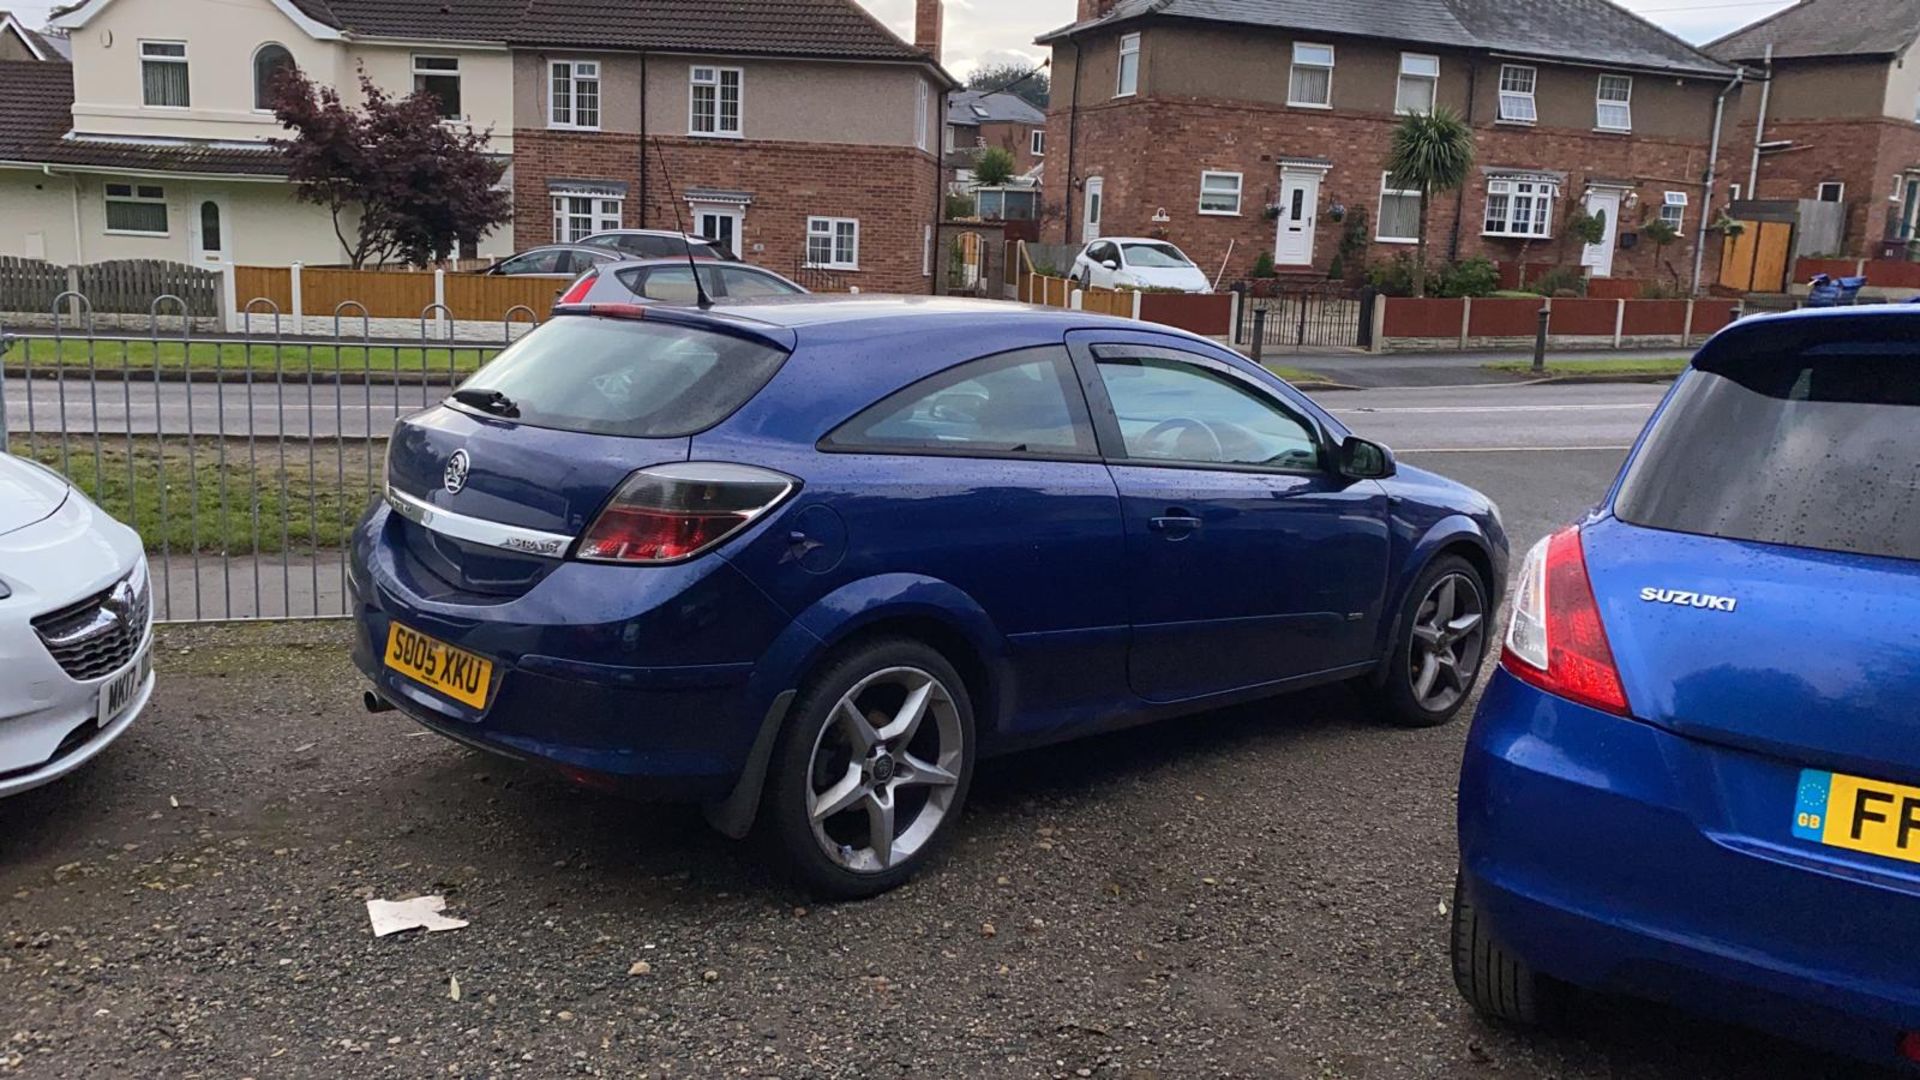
[
  {"x": 808, "y": 560},
  {"x": 1696, "y": 774}
]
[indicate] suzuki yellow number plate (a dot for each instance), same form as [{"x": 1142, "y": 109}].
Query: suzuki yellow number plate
[
  {"x": 456, "y": 673},
  {"x": 1862, "y": 815}
]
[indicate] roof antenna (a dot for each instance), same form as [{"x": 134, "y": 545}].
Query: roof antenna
[{"x": 673, "y": 200}]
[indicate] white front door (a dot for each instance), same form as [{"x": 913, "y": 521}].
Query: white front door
[
  {"x": 1599, "y": 257},
  {"x": 1096, "y": 191},
  {"x": 722, "y": 224},
  {"x": 211, "y": 228},
  {"x": 1299, "y": 212}
]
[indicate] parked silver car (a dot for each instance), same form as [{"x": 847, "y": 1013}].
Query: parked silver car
[{"x": 670, "y": 281}]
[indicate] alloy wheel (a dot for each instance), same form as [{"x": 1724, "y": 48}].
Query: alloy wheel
[
  {"x": 1449, "y": 639},
  {"x": 885, "y": 769}
]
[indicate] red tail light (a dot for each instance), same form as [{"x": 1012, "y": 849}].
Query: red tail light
[
  {"x": 671, "y": 513},
  {"x": 579, "y": 289},
  {"x": 1556, "y": 640}
]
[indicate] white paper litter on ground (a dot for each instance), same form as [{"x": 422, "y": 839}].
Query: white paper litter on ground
[{"x": 419, "y": 913}]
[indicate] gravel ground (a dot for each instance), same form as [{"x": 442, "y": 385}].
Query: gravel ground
[{"x": 1257, "y": 892}]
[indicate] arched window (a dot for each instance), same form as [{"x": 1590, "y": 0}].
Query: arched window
[{"x": 269, "y": 62}]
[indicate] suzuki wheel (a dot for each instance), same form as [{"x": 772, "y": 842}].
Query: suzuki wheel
[
  {"x": 872, "y": 769},
  {"x": 1499, "y": 985},
  {"x": 1438, "y": 646}
]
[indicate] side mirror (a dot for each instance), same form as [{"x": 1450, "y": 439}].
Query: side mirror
[
  {"x": 1362, "y": 459},
  {"x": 1111, "y": 264}
]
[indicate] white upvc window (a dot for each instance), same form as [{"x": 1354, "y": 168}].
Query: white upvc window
[
  {"x": 1127, "y": 81},
  {"x": 920, "y": 120},
  {"x": 1673, "y": 210},
  {"x": 576, "y": 217},
  {"x": 1520, "y": 207},
  {"x": 1037, "y": 142},
  {"x": 136, "y": 209},
  {"x": 1516, "y": 94},
  {"x": 833, "y": 243},
  {"x": 163, "y": 75},
  {"x": 575, "y": 97},
  {"x": 1399, "y": 216},
  {"x": 1419, "y": 84},
  {"x": 1831, "y": 191},
  {"x": 926, "y": 253},
  {"x": 1220, "y": 193},
  {"x": 439, "y": 76},
  {"x": 714, "y": 102},
  {"x": 1310, "y": 84},
  {"x": 1613, "y": 103}
]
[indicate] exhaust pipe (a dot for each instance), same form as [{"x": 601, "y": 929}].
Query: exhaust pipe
[{"x": 375, "y": 703}]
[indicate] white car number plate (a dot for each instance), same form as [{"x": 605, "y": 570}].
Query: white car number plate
[{"x": 118, "y": 695}]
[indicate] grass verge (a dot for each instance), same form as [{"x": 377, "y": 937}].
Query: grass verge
[
  {"x": 1613, "y": 366},
  {"x": 261, "y": 356},
  {"x": 1297, "y": 375},
  {"x": 221, "y": 496}
]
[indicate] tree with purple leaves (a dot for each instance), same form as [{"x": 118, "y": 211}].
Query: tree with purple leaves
[{"x": 410, "y": 187}]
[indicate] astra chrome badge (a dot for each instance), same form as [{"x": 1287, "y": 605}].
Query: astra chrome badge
[
  {"x": 455, "y": 478},
  {"x": 1678, "y": 598}
]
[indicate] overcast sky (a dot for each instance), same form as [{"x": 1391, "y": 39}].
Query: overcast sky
[{"x": 985, "y": 31}]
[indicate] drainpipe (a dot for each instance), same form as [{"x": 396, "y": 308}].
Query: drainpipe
[
  {"x": 1760, "y": 128},
  {"x": 1460, "y": 196},
  {"x": 643, "y": 147},
  {"x": 1073, "y": 128},
  {"x": 1713, "y": 178}
]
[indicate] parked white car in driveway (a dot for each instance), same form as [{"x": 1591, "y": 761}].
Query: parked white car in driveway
[
  {"x": 1132, "y": 262},
  {"x": 76, "y": 627}
]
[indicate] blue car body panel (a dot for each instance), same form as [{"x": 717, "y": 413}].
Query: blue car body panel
[
  {"x": 669, "y": 676},
  {"x": 1658, "y": 855}
]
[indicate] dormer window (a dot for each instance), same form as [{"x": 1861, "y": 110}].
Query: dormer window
[
  {"x": 270, "y": 62},
  {"x": 163, "y": 74}
]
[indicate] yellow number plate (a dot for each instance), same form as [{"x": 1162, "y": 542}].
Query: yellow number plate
[
  {"x": 1862, "y": 815},
  {"x": 456, "y": 673}
]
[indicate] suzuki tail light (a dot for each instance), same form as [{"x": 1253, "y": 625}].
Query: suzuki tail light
[
  {"x": 1556, "y": 640},
  {"x": 671, "y": 513}
]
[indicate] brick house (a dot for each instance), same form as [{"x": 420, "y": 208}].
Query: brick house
[
  {"x": 1842, "y": 101},
  {"x": 978, "y": 119},
  {"x": 1243, "y": 129},
  {"x": 802, "y": 133}
]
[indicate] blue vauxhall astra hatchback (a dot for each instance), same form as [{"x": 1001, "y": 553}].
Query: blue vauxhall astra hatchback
[
  {"x": 1696, "y": 774},
  {"x": 806, "y": 561}
]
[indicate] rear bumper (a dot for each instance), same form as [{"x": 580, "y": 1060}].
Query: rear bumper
[
  {"x": 1592, "y": 846},
  {"x": 631, "y": 677}
]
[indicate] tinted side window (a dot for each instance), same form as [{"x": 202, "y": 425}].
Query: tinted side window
[
  {"x": 1177, "y": 412},
  {"x": 746, "y": 283},
  {"x": 1813, "y": 453},
  {"x": 536, "y": 262},
  {"x": 669, "y": 284},
  {"x": 1024, "y": 402}
]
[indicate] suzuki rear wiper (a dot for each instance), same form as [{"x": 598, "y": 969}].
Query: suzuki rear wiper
[{"x": 492, "y": 401}]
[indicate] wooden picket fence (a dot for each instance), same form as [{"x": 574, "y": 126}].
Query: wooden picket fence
[{"x": 122, "y": 286}]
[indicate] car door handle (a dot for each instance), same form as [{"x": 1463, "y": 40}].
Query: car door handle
[{"x": 1175, "y": 523}]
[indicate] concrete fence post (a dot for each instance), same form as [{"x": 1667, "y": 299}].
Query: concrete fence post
[
  {"x": 440, "y": 328},
  {"x": 1540, "y": 336},
  {"x": 1233, "y": 317},
  {"x": 1466, "y": 321},
  {"x": 1686, "y": 331},
  {"x": 1619, "y": 323},
  {"x": 1379, "y": 344},
  {"x": 230, "y": 297},
  {"x": 296, "y": 298},
  {"x": 1074, "y": 299},
  {"x": 73, "y": 286},
  {"x": 1137, "y": 294}
]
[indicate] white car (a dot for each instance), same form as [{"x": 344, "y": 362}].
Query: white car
[
  {"x": 76, "y": 627},
  {"x": 1133, "y": 262}
]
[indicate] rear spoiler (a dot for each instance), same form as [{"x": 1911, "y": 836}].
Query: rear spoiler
[
  {"x": 1878, "y": 330},
  {"x": 710, "y": 320}
]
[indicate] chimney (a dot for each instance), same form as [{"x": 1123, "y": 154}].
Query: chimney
[
  {"x": 927, "y": 17},
  {"x": 1094, "y": 9}
]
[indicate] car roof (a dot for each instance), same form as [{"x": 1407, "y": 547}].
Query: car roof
[
  {"x": 1879, "y": 328},
  {"x": 1132, "y": 240},
  {"x": 645, "y": 232},
  {"x": 826, "y": 317}
]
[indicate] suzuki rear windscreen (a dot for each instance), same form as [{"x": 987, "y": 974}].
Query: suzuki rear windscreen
[
  {"x": 610, "y": 376},
  {"x": 1817, "y": 451}
]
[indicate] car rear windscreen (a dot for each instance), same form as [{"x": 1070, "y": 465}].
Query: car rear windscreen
[
  {"x": 1813, "y": 452},
  {"x": 627, "y": 377}
]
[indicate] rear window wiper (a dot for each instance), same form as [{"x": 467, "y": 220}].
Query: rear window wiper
[{"x": 489, "y": 401}]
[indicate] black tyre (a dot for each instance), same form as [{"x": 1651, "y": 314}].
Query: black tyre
[
  {"x": 1439, "y": 645},
  {"x": 872, "y": 769},
  {"x": 1497, "y": 984}
]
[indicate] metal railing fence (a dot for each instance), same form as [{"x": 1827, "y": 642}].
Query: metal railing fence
[{"x": 243, "y": 460}]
